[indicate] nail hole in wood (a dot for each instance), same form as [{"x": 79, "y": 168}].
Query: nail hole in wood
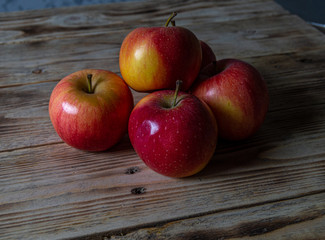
[
  {"x": 306, "y": 60},
  {"x": 138, "y": 190},
  {"x": 132, "y": 170},
  {"x": 37, "y": 71}
]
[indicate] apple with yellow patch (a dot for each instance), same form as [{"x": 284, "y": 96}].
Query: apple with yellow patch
[
  {"x": 154, "y": 58},
  {"x": 90, "y": 109},
  {"x": 237, "y": 95}
]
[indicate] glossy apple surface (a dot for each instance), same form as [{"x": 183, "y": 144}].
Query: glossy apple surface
[
  {"x": 175, "y": 141},
  {"x": 153, "y": 58},
  {"x": 237, "y": 95},
  {"x": 208, "y": 55},
  {"x": 91, "y": 120}
]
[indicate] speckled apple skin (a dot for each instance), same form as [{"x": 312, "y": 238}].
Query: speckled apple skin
[
  {"x": 154, "y": 58},
  {"x": 92, "y": 122},
  {"x": 237, "y": 95},
  {"x": 177, "y": 141}
]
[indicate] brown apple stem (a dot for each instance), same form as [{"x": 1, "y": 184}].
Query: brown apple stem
[
  {"x": 170, "y": 19},
  {"x": 90, "y": 87},
  {"x": 178, "y": 86}
]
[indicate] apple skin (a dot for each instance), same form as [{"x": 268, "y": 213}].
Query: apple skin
[
  {"x": 208, "y": 55},
  {"x": 237, "y": 95},
  {"x": 91, "y": 121},
  {"x": 154, "y": 58},
  {"x": 173, "y": 141},
  {"x": 205, "y": 73}
]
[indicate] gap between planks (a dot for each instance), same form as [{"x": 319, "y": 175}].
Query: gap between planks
[
  {"x": 28, "y": 83},
  {"x": 157, "y": 225},
  {"x": 31, "y": 147}
]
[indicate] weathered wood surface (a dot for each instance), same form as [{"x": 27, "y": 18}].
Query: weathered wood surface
[{"x": 270, "y": 186}]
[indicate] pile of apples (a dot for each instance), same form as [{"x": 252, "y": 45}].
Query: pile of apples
[{"x": 193, "y": 100}]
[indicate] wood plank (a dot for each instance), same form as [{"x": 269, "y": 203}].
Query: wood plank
[
  {"x": 114, "y": 15},
  {"x": 55, "y": 58},
  {"x": 57, "y": 190},
  {"x": 65, "y": 23},
  {"x": 54, "y": 51},
  {"x": 24, "y": 118},
  {"x": 297, "y": 218},
  {"x": 259, "y": 169},
  {"x": 268, "y": 186}
]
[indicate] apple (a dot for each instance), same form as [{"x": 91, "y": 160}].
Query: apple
[
  {"x": 206, "y": 72},
  {"x": 173, "y": 132},
  {"x": 153, "y": 58},
  {"x": 237, "y": 95},
  {"x": 89, "y": 109},
  {"x": 208, "y": 55},
  {"x": 208, "y": 60}
]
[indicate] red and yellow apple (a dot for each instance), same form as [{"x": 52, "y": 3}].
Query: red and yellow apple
[
  {"x": 175, "y": 134},
  {"x": 153, "y": 58},
  {"x": 89, "y": 109},
  {"x": 237, "y": 95}
]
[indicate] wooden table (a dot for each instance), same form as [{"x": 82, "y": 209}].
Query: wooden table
[{"x": 270, "y": 186}]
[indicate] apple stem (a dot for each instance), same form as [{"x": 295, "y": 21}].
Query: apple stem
[
  {"x": 90, "y": 88},
  {"x": 170, "y": 19},
  {"x": 178, "y": 86}
]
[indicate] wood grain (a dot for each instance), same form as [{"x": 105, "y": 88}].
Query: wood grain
[
  {"x": 269, "y": 186},
  {"x": 295, "y": 218},
  {"x": 59, "y": 189},
  {"x": 71, "y": 40}
]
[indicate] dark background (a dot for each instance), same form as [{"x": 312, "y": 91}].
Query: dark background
[{"x": 312, "y": 11}]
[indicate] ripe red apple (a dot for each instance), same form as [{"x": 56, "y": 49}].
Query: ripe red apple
[
  {"x": 208, "y": 55},
  {"x": 89, "y": 109},
  {"x": 153, "y": 58},
  {"x": 175, "y": 134},
  {"x": 237, "y": 95}
]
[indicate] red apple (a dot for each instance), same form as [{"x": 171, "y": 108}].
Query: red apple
[
  {"x": 153, "y": 58},
  {"x": 175, "y": 134},
  {"x": 238, "y": 97},
  {"x": 89, "y": 109},
  {"x": 208, "y": 60},
  {"x": 205, "y": 73},
  {"x": 208, "y": 55}
]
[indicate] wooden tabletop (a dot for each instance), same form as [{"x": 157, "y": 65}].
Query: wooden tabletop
[{"x": 270, "y": 186}]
